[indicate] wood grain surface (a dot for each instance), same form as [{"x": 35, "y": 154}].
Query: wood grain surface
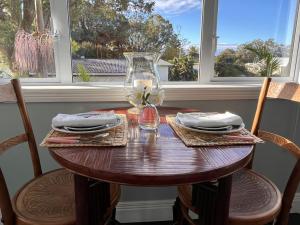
[{"x": 153, "y": 159}]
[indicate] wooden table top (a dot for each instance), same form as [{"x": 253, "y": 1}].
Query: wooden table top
[{"x": 153, "y": 159}]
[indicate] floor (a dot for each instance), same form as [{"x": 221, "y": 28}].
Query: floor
[{"x": 294, "y": 220}]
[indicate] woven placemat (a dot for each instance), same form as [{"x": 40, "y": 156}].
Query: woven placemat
[
  {"x": 117, "y": 137},
  {"x": 197, "y": 139}
]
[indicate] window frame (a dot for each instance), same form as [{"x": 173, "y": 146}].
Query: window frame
[
  {"x": 63, "y": 55},
  {"x": 62, "y": 47},
  {"x": 210, "y": 8}
]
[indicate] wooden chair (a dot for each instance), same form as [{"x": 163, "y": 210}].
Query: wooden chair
[
  {"x": 48, "y": 198},
  {"x": 255, "y": 200}
]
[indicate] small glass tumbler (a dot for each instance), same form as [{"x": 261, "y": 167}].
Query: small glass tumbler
[{"x": 149, "y": 118}]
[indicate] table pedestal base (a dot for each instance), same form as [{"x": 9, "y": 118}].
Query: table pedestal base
[
  {"x": 212, "y": 200},
  {"x": 92, "y": 200}
]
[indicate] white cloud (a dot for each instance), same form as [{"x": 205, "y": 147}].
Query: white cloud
[{"x": 176, "y": 6}]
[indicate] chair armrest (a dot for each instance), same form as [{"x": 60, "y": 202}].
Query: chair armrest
[{"x": 280, "y": 141}]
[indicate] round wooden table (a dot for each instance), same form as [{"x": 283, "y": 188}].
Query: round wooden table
[{"x": 151, "y": 159}]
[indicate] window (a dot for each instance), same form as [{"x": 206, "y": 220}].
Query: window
[
  {"x": 71, "y": 41},
  {"x": 254, "y": 38},
  {"x": 26, "y": 40},
  {"x": 101, "y": 31}
]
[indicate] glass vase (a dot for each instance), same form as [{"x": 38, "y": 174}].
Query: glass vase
[
  {"x": 149, "y": 118},
  {"x": 142, "y": 73}
]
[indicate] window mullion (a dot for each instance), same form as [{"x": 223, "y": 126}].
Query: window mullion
[
  {"x": 62, "y": 45},
  {"x": 295, "y": 58},
  {"x": 208, "y": 39}
]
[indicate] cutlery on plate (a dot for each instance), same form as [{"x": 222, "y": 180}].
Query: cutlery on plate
[
  {"x": 74, "y": 139},
  {"x": 62, "y": 140}
]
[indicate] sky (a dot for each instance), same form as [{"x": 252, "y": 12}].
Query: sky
[{"x": 239, "y": 21}]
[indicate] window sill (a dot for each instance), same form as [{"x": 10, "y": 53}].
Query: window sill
[{"x": 89, "y": 93}]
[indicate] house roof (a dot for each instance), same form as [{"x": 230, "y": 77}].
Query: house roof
[
  {"x": 163, "y": 63},
  {"x": 101, "y": 66},
  {"x": 106, "y": 66}
]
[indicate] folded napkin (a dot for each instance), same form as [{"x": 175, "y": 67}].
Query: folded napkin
[
  {"x": 84, "y": 119},
  {"x": 209, "y": 120}
]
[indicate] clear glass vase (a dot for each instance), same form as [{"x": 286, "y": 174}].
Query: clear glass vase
[
  {"x": 149, "y": 118},
  {"x": 142, "y": 73}
]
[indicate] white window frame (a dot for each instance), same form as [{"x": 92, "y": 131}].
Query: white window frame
[
  {"x": 62, "y": 48},
  {"x": 209, "y": 42},
  {"x": 63, "y": 56}
]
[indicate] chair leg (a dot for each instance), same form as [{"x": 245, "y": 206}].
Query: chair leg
[
  {"x": 113, "y": 220},
  {"x": 178, "y": 217},
  {"x": 182, "y": 220}
]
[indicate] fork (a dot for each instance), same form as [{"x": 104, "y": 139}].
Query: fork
[{"x": 74, "y": 139}]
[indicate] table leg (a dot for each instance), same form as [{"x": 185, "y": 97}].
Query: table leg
[
  {"x": 223, "y": 200},
  {"x": 92, "y": 199},
  {"x": 213, "y": 200}
]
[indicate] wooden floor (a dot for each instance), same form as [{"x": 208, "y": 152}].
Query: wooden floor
[{"x": 294, "y": 220}]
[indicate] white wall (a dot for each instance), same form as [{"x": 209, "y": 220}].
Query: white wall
[{"x": 163, "y": 73}]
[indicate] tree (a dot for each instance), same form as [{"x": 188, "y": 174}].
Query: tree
[
  {"x": 83, "y": 74},
  {"x": 16, "y": 15},
  {"x": 10, "y": 14},
  {"x": 103, "y": 25},
  {"x": 172, "y": 50},
  {"x": 226, "y": 64},
  {"x": 267, "y": 62},
  {"x": 193, "y": 52},
  {"x": 256, "y": 58},
  {"x": 118, "y": 26},
  {"x": 246, "y": 56},
  {"x": 152, "y": 35},
  {"x": 183, "y": 69}
]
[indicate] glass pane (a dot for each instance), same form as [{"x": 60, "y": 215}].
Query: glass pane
[
  {"x": 103, "y": 30},
  {"x": 26, "y": 44},
  {"x": 254, "y": 38}
]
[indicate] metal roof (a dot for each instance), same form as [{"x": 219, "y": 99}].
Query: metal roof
[{"x": 106, "y": 66}]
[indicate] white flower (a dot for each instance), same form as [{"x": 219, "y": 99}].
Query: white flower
[{"x": 135, "y": 96}]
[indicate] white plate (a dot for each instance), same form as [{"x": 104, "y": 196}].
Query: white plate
[
  {"x": 111, "y": 126},
  {"x": 210, "y": 131},
  {"x": 76, "y": 129}
]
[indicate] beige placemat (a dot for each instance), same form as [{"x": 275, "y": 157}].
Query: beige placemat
[
  {"x": 197, "y": 139},
  {"x": 117, "y": 137}
]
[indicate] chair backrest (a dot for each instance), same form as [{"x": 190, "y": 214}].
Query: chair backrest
[
  {"x": 11, "y": 92},
  {"x": 289, "y": 92}
]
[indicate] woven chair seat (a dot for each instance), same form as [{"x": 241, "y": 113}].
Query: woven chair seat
[
  {"x": 254, "y": 199},
  {"x": 50, "y": 199}
]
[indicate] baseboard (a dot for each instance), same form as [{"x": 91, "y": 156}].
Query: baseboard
[
  {"x": 145, "y": 211},
  {"x": 160, "y": 210},
  {"x": 296, "y": 204}
]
